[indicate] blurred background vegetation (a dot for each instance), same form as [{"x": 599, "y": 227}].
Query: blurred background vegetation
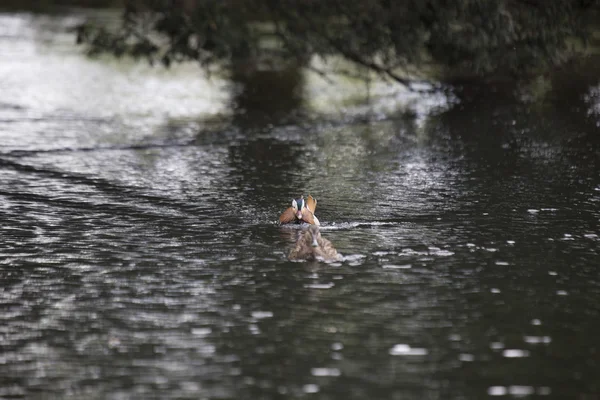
[
  {"x": 517, "y": 46},
  {"x": 405, "y": 41}
]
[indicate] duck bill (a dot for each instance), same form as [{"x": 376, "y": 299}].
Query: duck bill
[
  {"x": 315, "y": 243},
  {"x": 299, "y": 214}
]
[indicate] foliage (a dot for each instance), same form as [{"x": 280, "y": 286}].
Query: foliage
[{"x": 386, "y": 36}]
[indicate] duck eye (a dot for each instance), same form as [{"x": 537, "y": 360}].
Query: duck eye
[{"x": 294, "y": 204}]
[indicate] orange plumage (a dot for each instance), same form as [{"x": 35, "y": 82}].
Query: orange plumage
[{"x": 301, "y": 211}]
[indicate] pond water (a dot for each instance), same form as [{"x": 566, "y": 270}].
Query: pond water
[{"x": 141, "y": 255}]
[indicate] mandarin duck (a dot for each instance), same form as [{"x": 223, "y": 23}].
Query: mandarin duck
[
  {"x": 301, "y": 211},
  {"x": 311, "y": 246}
]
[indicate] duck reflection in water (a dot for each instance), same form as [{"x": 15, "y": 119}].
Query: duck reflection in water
[{"x": 312, "y": 246}]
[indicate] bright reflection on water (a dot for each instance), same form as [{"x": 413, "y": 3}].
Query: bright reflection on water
[{"x": 141, "y": 256}]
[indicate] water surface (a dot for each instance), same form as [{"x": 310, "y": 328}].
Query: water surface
[{"x": 141, "y": 255}]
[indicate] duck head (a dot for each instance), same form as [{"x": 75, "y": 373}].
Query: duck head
[
  {"x": 298, "y": 205},
  {"x": 301, "y": 211}
]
